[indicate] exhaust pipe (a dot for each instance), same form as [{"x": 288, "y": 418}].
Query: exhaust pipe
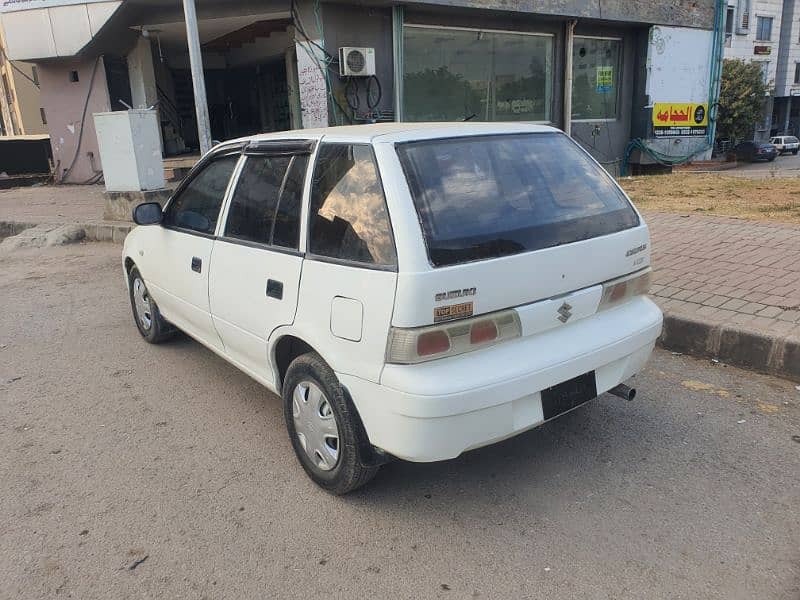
[{"x": 624, "y": 392}]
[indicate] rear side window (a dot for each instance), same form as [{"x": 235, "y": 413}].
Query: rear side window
[
  {"x": 349, "y": 219},
  {"x": 490, "y": 196},
  {"x": 197, "y": 206}
]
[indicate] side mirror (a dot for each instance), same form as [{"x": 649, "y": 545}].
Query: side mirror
[{"x": 149, "y": 213}]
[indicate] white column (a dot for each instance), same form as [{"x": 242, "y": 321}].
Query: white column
[{"x": 142, "y": 76}]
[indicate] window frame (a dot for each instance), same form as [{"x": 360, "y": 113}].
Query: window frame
[
  {"x": 216, "y": 154},
  {"x": 620, "y": 64},
  {"x": 307, "y": 203},
  {"x": 759, "y": 19},
  {"x": 271, "y": 148}
]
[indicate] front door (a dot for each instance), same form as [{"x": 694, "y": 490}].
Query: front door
[
  {"x": 256, "y": 263},
  {"x": 179, "y": 253}
]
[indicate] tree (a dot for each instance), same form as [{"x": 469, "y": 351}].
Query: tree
[{"x": 741, "y": 100}]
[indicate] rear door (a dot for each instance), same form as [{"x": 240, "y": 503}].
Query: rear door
[
  {"x": 178, "y": 254},
  {"x": 256, "y": 263}
]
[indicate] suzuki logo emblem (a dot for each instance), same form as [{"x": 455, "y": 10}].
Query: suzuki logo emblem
[{"x": 564, "y": 313}]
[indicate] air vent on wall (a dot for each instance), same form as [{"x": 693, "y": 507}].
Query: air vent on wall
[{"x": 356, "y": 62}]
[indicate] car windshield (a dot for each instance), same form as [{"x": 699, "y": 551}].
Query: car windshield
[{"x": 489, "y": 196}]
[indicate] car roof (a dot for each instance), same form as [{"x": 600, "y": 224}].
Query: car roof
[{"x": 398, "y": 132}]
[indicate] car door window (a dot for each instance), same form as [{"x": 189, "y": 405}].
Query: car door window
[
  {"x": 197, "y": 206},
  {"x": 348, "y": 216},
  {"x": 286, "y": 230},
  {"x": 252, "y": 212},
  {"x": 265, "y": 207}
]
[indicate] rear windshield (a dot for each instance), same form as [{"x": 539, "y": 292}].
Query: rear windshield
[{"x": 489, "y": 196}]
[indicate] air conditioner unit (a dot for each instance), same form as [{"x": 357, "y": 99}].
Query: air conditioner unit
[{"x": 356, "y": 62}]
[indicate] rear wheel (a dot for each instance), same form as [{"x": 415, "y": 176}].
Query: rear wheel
[
  {"x": 323, "y": 426},
  {"x": 151, "y": 324},
  {"x": 795, "y": 152}
]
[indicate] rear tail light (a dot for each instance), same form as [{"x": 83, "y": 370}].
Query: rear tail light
[
  {"x": 625, "y": 288},
  {"x": 409, "y": 346}
]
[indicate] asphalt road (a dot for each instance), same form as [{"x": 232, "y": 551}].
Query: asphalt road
[
  {"x": 133, "y": 471},
  {"x": 786, "y": 165}
]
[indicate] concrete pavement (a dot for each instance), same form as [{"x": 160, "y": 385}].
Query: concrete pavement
[
  {"x": 134, "y": 471},
  {"x": 730, "y": 289}
]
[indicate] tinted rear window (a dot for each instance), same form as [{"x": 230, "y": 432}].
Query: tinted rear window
[{"x": 490, "y": 196}]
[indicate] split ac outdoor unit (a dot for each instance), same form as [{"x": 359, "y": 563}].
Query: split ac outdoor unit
[{"x": 356, "y": 62}]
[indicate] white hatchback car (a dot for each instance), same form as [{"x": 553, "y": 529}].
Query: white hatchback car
[
  {"x": 410, "y": 290},
  {"x": 786, "y": 143}
]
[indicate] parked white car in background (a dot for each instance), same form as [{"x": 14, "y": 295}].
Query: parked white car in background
[
  {"x": 786, "y": 143},
  {"x": 410, "y": 290}
]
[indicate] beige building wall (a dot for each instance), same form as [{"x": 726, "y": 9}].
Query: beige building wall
[{"x": 20, "y": 102}]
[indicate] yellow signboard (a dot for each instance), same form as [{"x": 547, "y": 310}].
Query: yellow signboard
[
  {"x": 680, "y": 119},
  {"x": 669, "y": 114}
]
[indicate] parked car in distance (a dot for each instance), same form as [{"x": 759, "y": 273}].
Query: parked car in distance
[
  {"x": 786, "y": 143},
  {"x": 753, "y": 151},
  {"x": 411, "y": 291}
]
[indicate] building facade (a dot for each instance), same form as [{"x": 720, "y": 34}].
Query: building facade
[
  {"x": 597, "y": 70},
  {"x": 768, "y": 32},
  {"x": 20, "y": 105}
]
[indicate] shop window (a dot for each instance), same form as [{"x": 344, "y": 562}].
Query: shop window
[
  {"x": 467, "y": 74},
  {"x": 595, "y": 78}
]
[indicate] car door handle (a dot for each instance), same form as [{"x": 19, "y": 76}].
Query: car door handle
[
  {"x": 275, "y": 289},
  {"x": 197, "y": 264}
]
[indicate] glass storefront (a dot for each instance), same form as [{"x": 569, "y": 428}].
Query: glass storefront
[
  {"x": 468, "y": 74},
  {"x": 595, "y": 77}
]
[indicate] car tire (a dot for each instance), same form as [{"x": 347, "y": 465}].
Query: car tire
[
  {"x": 795, "y": 152},
  {"x": 153, "y": 327},
  {"x": 324, "y": 426}
]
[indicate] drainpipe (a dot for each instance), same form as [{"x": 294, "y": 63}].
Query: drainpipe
[
  {"x": 398, "y": 55},
  {"x": 567, "y": 116},
  {"x": 198, "y": 82}
]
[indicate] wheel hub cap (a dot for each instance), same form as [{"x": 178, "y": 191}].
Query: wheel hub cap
[
  {"x": 141, "y": 300},
  {"x": 315, "y": 425}
]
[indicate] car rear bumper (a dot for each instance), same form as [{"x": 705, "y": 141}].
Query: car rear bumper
[{"x": 438, "y": 410}]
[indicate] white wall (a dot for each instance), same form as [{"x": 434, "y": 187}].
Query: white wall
[
  {"x": 678, "y": 64},
  {"x": 58, "y": 31},
  {"x": 678, "y": 70}
]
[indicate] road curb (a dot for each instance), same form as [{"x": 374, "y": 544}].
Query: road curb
[
  {"x": 102, "y": 231},
  {"x": 738, "y": 346}
]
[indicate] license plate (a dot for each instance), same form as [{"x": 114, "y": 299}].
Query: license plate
[{"x": 565, "y": 396}]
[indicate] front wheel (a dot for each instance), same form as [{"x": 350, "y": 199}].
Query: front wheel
[
  {"x": 323, "y": 426},
  {"x": 151, "y": 324}
]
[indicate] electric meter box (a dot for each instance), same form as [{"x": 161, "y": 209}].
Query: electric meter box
[{"x": 130, "y": 150}]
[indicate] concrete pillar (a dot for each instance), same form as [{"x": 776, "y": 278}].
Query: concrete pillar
[{"x": 142, "y": 76}]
